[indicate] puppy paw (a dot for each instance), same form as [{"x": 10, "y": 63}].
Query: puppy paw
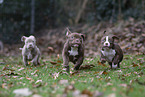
[
  {"x": 66, "y": 68},
  {"x": 114, "y": 65},
  {"x": 76, "y": 67},
  {"x": 103, "y": 61}
]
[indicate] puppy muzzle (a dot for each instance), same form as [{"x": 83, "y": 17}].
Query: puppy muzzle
[{"x": 30, "y": 46}]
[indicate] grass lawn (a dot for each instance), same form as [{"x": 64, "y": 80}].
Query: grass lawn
[{"x": 50, "y": 80}]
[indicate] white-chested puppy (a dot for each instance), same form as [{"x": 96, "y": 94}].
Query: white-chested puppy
[
  {"x": 30, "y": 51},
  {"x": 111, "y": 51}
]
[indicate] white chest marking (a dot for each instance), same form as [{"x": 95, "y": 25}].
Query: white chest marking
[
  {"x": 73, "y": 51},
  {"x": 109, "y": 54}
]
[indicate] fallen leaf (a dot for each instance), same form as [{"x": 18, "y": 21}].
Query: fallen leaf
[
  {"x": 55, "y": 75},
  {"x": 73, "y": 73},
  {"x": 97, "y": 94},
  {"x": 135, "y": 65},
  {"x": 4, "y": 85},
  {"x": 6, "y": 68},
  {"x": 87, "y": 66},
  {"x": 36, "y": 95},
  {"x": 109, "y": 84},
  {"x": 101, "y": 63},
  {"x": 87, "y": 92},
  {"x": 15, "y": 76},
  {"x": 37, "y": 85},
  {"x": 22, "y": 92},
  {"x": 63, "y": 82},
  {"x": 76, "y": 93},
  {"x": 50, "y": 48},
  {"x": 112, "y": 95},
  {"x": 29, "y": 78},
  {"x": 69, "y": 88},
  {"x": 53, "y": 63},
  {"x": 21, "y": 68},
  {"x": 96, "y": 72},
  {"x": 103, "y": 72},
  {"x": 38, "y": 81},
  {"x": 34, "y": 72},
  {"x": 124, "y": 85},
  {"x": 58, "y": 61}
]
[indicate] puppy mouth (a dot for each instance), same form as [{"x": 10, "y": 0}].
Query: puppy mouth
[
  {"x": 75, "y": 45},
  {"x": 106, "y": 47},
  {"x": 30, "y": 47}
]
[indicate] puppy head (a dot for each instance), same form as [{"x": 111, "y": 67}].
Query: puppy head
[
  {"x": 108, "y": 41},
  {"x": 74, "y": 39},
  {"x": 30, "y": 41}
]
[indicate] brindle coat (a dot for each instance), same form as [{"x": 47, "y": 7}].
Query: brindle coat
[{"x": 70, "y": 42}]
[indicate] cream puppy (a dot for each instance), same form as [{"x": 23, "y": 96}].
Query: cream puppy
[{"x": 30, "y": 51}]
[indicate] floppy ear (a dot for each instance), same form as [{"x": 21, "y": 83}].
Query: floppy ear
[
  {"x": 23, "y": 38},
  {"x": 115, "y": 37},
  {"x": 68, "y": 32},
  {"x": 104, "y": 32},
  {"x": 83, "y": 36},
  {"x": 32, "y": 37}
]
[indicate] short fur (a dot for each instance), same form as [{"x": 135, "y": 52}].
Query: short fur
[
  {"x": 73, "y": 50},
  {"x": 111, "y": 52},
  {"x": 30, "y": 51}
]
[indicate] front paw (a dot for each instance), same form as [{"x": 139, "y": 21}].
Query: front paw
[
  {"x": 25, "y": 63},
  {"x": 114, "y": 66},
  {"x": 77, "y": 67},
  {"x": 34, "y": 62},
  {"x": 103, "y": 61},
  {"x": 67, "y": 68}
]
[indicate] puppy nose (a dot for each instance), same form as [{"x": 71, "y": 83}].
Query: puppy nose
[
  {"x": 77, "y": 40},
  {"x": 106, "y": 43}
]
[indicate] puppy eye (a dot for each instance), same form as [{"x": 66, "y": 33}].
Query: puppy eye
[
  {"x": 80, "y": 38},
  {"x": 72, "y": 37}
]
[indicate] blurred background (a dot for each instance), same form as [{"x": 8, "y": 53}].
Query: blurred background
[{"x": 48, "y": 19}]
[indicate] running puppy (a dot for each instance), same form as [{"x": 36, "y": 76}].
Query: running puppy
[
  {"x": 30, "y": 51},
  {"x": 73, "y": 50},
  {"x": 110, "y": 51}
]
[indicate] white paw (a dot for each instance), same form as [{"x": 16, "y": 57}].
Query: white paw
[{"x": 114, "y": 66}]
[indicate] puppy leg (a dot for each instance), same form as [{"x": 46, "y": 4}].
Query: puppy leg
[
  {"x": 78, "y": 63},
  {"x": 25, "y": 60},
  {"x": 118, "y": 65},
  {"x": 66, "y": 62},
  {"x": 115, "y": 61},
  {"x": 110, "y": 63},
  {"x": 103, "y": 60},
  {"x": 35, "y": 60}
]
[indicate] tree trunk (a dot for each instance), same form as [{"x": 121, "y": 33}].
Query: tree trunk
[{"x": 32, "y": 26}]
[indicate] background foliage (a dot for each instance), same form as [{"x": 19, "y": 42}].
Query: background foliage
[{"x": 15, "y": 14}]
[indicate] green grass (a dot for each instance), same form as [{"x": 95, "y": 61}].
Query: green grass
[{"x": 129, "y": 81}]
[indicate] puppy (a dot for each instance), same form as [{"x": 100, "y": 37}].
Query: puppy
[
  {"x": 1, "y": 47},
  {"x": 110, "y": 51},
  {"x": 73, "y": 50},
  {"x": 30, "y": 51}
]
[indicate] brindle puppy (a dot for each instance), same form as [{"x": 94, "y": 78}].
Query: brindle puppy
[{"x": 73, "y": 50}]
